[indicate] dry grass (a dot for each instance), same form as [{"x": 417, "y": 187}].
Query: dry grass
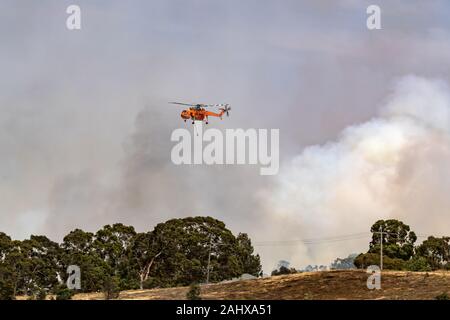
[{"x": 311, "y": 285}]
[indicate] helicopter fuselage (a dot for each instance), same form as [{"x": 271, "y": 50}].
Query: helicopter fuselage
[{"x": 199, "y": 114}]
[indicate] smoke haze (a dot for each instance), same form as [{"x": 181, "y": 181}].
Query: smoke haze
[
  {"x": 393, "y": 166},
  {"x": 363, "y": 116}
]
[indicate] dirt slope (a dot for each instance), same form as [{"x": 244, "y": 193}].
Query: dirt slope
[{"x": 311, "y": 285}]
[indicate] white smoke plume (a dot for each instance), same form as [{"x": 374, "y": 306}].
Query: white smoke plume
[{"x": 396, "y": 165}]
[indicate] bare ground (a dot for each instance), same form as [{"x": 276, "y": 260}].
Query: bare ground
[{"x": 328, "y": 285}]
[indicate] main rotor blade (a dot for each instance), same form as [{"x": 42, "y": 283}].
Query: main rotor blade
[
  {"x": 183, "y": 104},
  {"x": 202, "y": 105},
  {"x": 216, "y": 105}
]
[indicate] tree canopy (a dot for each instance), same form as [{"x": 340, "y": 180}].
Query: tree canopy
[
  {"x": 399, "y": 250},
  {"x": 174, "y": 253},
  {"x": 398, "y": 239}
]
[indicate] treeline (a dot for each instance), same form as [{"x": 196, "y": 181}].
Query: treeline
[
  {"x": 400, "y": 251},
  {"x": 116, "y": 257}
]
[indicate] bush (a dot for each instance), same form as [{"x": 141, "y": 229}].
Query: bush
[
  {"x": 394, "y": 264},
  {"x": 194, "y": 292},
  {"x": 64, "y": 293},
  {"x": 283, "y": 270},
  {"x": 41, "y": 294},
  {"x": 367, "y": 259},
  {"x": 442, "y": 296},
  {"x": 364, "y": 260},
  {"x": 38, "y": 294},
  {"x": 111, "y": 288},
  {"x": 6, "y": 291},
  {"x": 418, "y": 264},
  {"x": 151, "y": 283}
]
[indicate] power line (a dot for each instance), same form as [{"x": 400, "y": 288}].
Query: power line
[{"x": 314, "y": 240}]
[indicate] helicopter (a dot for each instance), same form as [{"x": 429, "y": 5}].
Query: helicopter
[{"x": 197, "y": 112}]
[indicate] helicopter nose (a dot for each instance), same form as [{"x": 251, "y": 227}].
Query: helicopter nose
[{"x": 184, "y": 115}]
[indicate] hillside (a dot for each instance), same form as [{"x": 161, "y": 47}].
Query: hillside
[{"x": 311, "y": 285}]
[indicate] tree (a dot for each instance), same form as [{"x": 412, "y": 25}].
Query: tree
[
  {"x": 17, "y": 268},
  {"x": 116, "y": 258},
  {"x": 180, "y": 249},
  {"x": 7, "y": 277},
  {"x": 436, "y": 251},
  {"x": 5, "y": 246},
  {"x": 143, "y": 253},
  {"x": 78, "y": 249},
  {"x": 250, "y": 263},
  {"x": 283, "y": 267},
  {"x": 365, "y": 260},
  {"x": 398, "y": 239},
  {"x": 7, "y": 286},
  {"x": 344, "y": 263},
  {"x": 112, "y": 245},
  {"x": 398, "y": 245},
  {"x": 43, "y": 260},
  {"x": 78, "y": 241}
]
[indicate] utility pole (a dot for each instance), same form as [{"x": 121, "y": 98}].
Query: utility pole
[
  {"x": 381, "y": 247},
  {"x": 209, "y": 260}
]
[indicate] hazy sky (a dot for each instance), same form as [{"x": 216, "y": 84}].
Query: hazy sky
[{"x": 85, "y": 125}]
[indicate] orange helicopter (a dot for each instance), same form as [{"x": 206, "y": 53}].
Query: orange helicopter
[{"x": 198, "y": 112}]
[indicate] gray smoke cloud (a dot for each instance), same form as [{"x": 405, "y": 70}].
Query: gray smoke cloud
[
  {"x": 85, "y": 125},
  {"x": 392, "y": 166}
]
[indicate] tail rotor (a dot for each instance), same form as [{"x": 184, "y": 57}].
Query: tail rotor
[{"x": 226, "y": 109}]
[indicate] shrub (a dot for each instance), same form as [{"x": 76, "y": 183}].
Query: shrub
[
  {"x": 151, "y": 283},
  {"x": 42, "y": 294},
  {"x": 442, "y": 296},
  {"x": 64, "y": 293},
  {"x": 367, "y": 259},
  {"x": 194, "y": 292},
  {"x": 394, "y": 264},
  {"x": 418, "y": 264},
  {"x": 6, "y": 291},
  {"x": 283, "y": 270},
  {"x": 111, "y": 288},
  {"x": 38, "y": 294}
]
